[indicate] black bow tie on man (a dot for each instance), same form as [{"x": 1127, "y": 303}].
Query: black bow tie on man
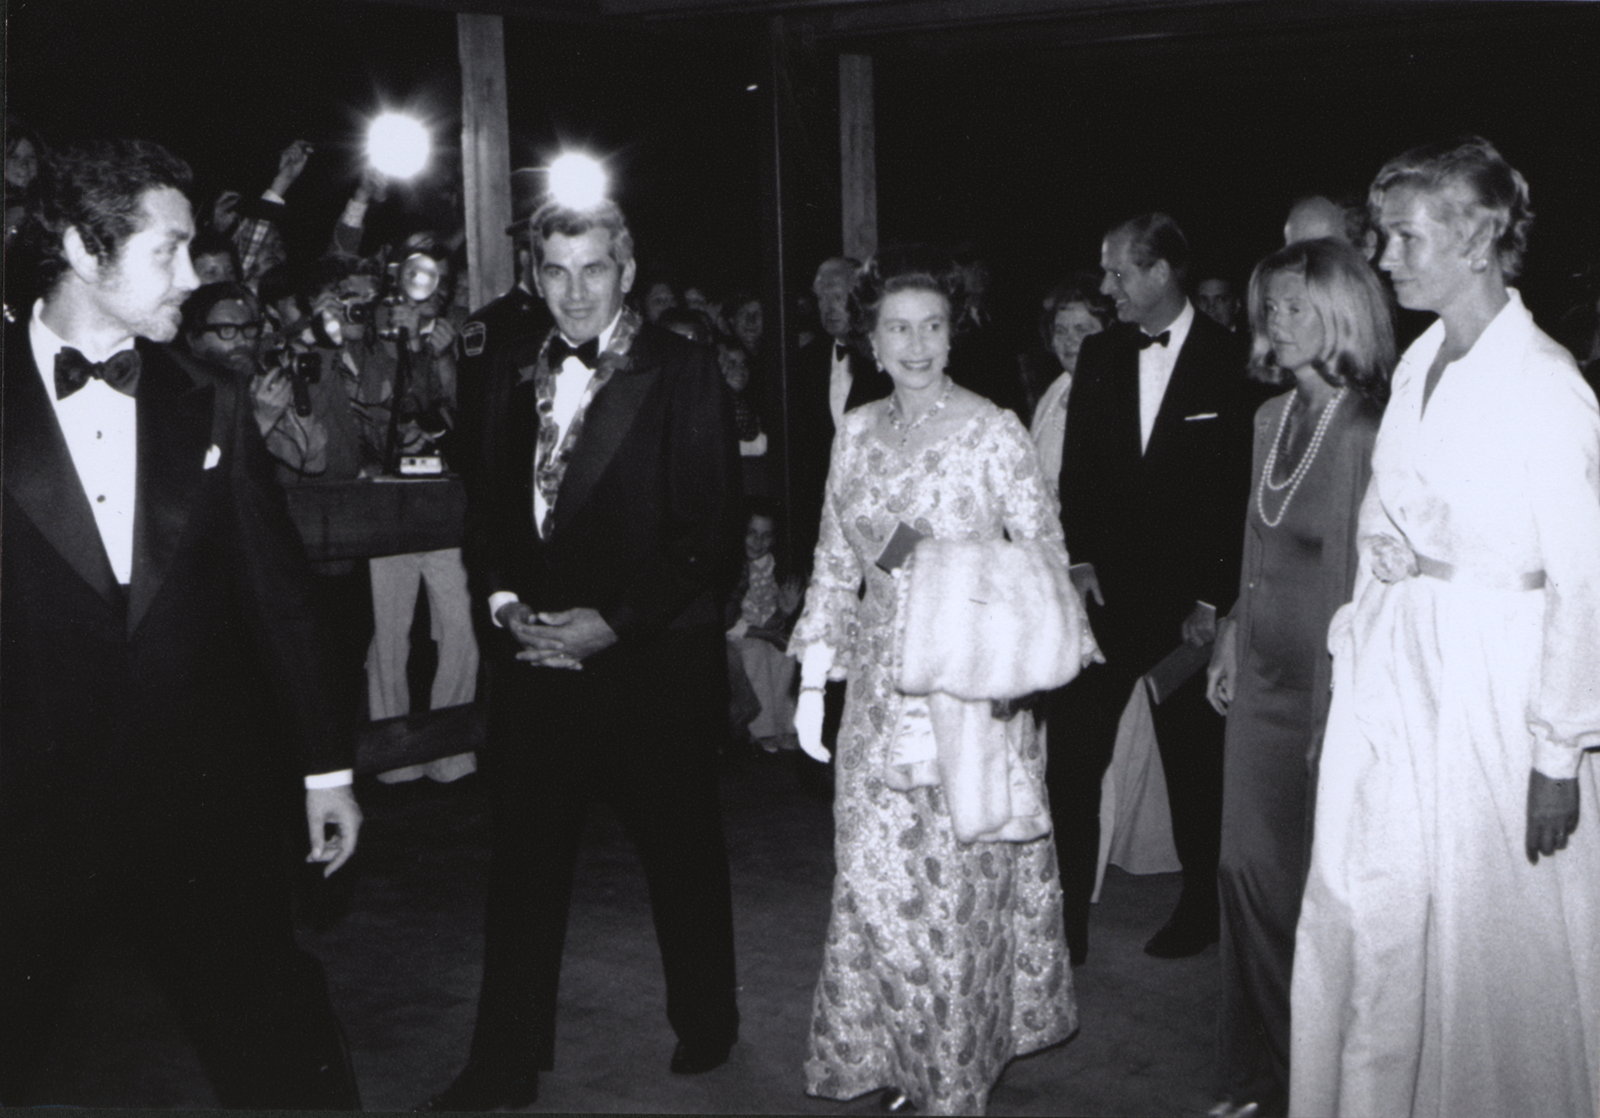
[
  {"x": 1148, "y": 340},
  {"x": 74, "y": 370},
  {"x": 560, "y": 349},
  {"x": 840, "y": 351}
]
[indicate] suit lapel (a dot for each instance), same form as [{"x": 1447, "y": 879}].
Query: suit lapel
[
  {"x": 39, "y": 475},
  {"x": 1123, "y": 422},
  {"x": 610, "y": 417},
  {"x": 175, "y": 434}
]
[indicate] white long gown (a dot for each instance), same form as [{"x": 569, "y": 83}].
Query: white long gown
[{"x": 1437, "y": 972}]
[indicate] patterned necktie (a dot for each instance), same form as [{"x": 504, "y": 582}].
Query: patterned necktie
[
  {"x": 1148, "y": 340},
  {"x": 560, "y": 349},
  {"x": 74, "y": 370}
]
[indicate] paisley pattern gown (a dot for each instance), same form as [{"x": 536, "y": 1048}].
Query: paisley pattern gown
[{"x": 943, "y": 961}]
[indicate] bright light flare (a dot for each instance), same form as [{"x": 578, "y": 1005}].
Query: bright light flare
[
  {"x": 578, "y": 181},
  {"x": 398, "y": 145}
]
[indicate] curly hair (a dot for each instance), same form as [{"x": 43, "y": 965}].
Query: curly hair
[
  {"x": 1357, "y": 322},
  {"x": 96, "y": 188},
  {"x": 905, "y": 268},
  {"x": 1465, "y": 180}
]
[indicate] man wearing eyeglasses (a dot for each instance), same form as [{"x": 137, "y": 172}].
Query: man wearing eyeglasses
[{"x": 222, "y": 325}]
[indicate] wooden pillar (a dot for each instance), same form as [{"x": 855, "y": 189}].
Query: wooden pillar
[
  {"x": 485, "y": 154},
  {"x": 858, "y": 172}
]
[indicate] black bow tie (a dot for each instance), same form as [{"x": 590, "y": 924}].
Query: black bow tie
[
  {"x": 1148, "y": 340},
  {"x": 73, "y": 371},
  {"x": 560, "y": 349},
  {"x": 841, "y": 352}
]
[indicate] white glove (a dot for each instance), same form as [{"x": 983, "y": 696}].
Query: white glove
[{"x": 808, "y": 725}]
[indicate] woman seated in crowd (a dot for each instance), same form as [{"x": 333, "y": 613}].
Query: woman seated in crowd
[
  {"x": 1321, "y": 322},
  {"x": 945, "y": 955},
  {"x": 1448, "y": 951},
  {"x": 760, "y": 611},
  {"x": 1072, "y": 311}
]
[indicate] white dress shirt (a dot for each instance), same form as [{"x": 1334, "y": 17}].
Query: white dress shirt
[
  {"x": 571, "y": 383},
  {"x": 101, "y": 429},
  {"x": 1155, "y": 371},
  {"x": 100, "y": 426}
]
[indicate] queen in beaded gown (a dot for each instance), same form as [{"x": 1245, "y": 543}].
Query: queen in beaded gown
[{"x": 943, "y": 960}]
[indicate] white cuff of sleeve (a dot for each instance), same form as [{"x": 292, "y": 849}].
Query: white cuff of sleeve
[
  {"x": 355, "y": 212},
  {"x": 496, "y": 600},
  {"x": 341, "y": 779},
  {"x": 1556, "y": 761},
  {"x": 271, "y": 195}
]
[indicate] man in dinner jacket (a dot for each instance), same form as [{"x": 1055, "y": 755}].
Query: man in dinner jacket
[
  {"x": 161, "y": 696},
  {"x": 601, "y": 522},
  {"x": 1154, "y": 478}
]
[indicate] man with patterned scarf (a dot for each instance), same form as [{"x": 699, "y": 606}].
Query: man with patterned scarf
[{"x": 601, "y": 518}]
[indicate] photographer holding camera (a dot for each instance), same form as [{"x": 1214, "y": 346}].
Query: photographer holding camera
[
  {"x": 222, "y": 325},
  {"x": 388, "y": 336}
]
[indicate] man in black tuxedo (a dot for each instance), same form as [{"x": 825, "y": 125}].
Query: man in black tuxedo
[
  {"x": 162, "y": 686},
  {"x": 601, "y": 521},
  {"x": 830, "y": 376},
  {"x": 1154, "y": 479}
]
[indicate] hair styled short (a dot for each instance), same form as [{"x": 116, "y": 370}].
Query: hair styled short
[
  {"x": 198, "y": 306},
  {"x": 95, "y": 188},
  {"x": 1080, "y": 287},
  {"x": 1156, "y": 236},
  {"x": 553, "y": 218},
  {"x": 1344, "y": 292},
  {"x": 1465, "y": 180},
  {"x": 905, "y": 268}
]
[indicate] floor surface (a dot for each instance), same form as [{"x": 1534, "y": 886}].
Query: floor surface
[{"x": 400, "y": 937}]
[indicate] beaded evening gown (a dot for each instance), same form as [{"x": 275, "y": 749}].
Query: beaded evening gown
[{"x": 943, "y": 960}]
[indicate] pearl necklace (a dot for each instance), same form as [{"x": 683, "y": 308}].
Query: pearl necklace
[
  {"x": 897, "y": 418},
  {"x": 1303, "y": 467}
]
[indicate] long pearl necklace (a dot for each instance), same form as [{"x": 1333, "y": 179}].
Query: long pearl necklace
[
  {"x": 897, "y": 418},
  {"x": 1303, "y": 467}
]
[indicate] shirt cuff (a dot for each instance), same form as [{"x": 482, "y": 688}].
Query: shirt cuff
[
  {"x": 271, "y": 195},
  {"x": 355, "y": 213},
  {"x": 496, "y": 600},
  {"x": 343, "y": 778}
]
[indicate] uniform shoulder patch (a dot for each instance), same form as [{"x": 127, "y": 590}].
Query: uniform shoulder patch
[{"x": 474, "y": 336}]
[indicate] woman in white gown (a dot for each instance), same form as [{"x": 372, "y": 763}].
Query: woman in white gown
[{"x": 1447, "y": 959}]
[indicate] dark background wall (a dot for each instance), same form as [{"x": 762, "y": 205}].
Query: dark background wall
[{"x": 1017, "y": 145}]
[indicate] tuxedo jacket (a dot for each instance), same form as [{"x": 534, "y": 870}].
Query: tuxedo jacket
[
  {"x": 1164, "y": 527},
  {"x": 646, "y": 520},
  {"x": 167, "y": 704},
  {"x": 808, "y": 446}
]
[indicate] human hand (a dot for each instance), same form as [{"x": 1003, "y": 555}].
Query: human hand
[
  {"x": 272, "y": 395},
  {"x": 1086, "y": 583},
  {"x": 291, "y": 161},
  {"x": 338, "y": 807},
  {"x": 442, "y": 336},
  {"x": 1223, "y": 668},
  {"x": 523, "y": 625},
  {"x": 372, "y": 185},
  {"x": 224, "y": 211},
  {"x": 1392, "y": 559},
  {"x": 569, "y": 635},
  {"x": 808, "y": 724},
  {"x": 1200, "y": 627},
  {"x": 1552, "y": 814}
]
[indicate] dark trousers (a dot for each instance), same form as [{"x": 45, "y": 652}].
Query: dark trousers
[
  {"x": 640, "y": 729},
  {"x": 209, "y": 913},
  {"x": 1083, "y": 719}
]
